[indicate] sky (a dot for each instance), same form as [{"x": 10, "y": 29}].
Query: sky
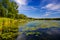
[{"x": 39, "y": 8}]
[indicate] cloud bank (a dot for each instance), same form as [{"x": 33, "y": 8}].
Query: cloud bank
[
  {"x": 53, "y": 7},
  {"x": 46, "y": 7}
]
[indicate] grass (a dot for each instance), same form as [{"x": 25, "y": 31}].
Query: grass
[{"x": 8, "y": 29}]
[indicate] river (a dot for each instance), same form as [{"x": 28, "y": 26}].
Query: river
[{"x": 40, "y": 30}]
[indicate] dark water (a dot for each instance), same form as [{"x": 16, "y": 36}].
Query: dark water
[{"x": 40, "y": 30}]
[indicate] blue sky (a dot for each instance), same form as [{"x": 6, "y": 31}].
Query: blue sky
[{"x": 39, "y": 8}]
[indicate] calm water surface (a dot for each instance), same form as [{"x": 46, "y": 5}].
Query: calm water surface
[{"x": 40, "y": 30}]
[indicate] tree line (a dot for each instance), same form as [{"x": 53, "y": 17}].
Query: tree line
[{"x": 44, "y": 18}]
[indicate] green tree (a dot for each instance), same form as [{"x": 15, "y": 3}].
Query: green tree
[
  {"x": 2, "y": 11},
  {"x": 8, "y": 8},
  {"x": 22, "y": 16}
]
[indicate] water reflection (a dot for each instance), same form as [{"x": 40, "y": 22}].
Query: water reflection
[{"x": 40, "y": 30}]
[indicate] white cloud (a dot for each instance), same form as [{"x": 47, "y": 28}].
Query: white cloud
[
  {"x": 21, "y": 2},
  {"x": 33, "y": 8},
  {"x": 52, "y": 6},
  {"x": 47, "y": 14},
  {"x": 23, "y": 5},
  {"x": 27, "y": 8}
]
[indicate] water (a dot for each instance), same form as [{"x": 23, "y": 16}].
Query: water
[{"x": 40, "y": 30}]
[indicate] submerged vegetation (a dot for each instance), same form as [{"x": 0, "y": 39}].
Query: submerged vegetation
[{"x": 40, "y": 30}]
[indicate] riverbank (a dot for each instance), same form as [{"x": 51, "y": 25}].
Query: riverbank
[{"x": 9, "y": 28}]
